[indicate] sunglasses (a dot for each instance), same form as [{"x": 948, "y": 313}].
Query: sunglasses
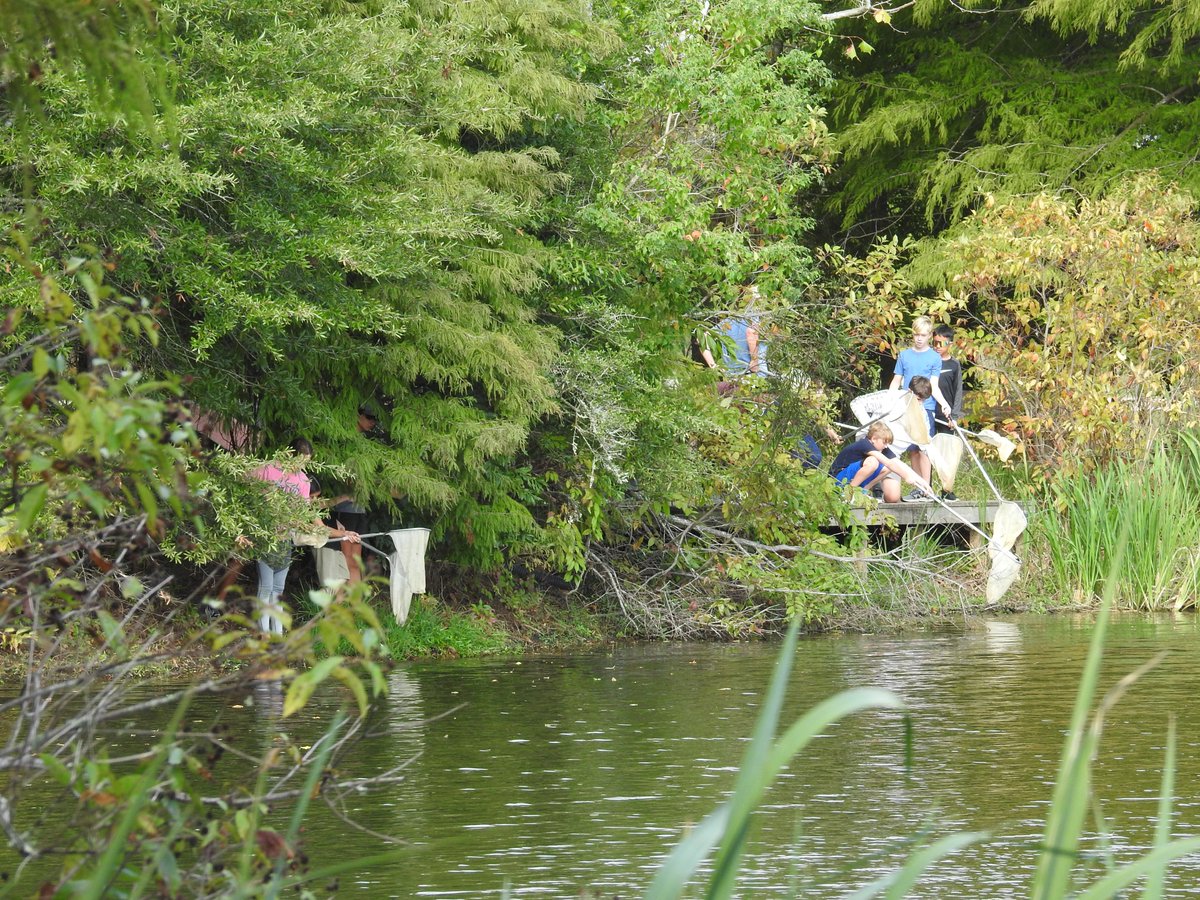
[{"x": 941, "y": 342}]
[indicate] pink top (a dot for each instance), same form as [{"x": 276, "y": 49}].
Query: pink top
[{"x": 292, "y": 482}]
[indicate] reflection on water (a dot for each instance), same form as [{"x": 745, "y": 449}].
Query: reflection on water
[
  {"x": 561, "y": 775},
  {"x": 567, "y": 774}
]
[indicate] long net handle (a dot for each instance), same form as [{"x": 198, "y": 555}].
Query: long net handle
[{"x": 982, "y": 471}]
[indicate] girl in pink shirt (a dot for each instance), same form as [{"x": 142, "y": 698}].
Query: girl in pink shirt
[{"x": 273, "y": 566}]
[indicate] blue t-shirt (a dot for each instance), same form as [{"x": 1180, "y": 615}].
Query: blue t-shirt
[
  {"x": 856, "y": 453},
  {"x": 738, "y": 363},
  {"x": 912, "y": 363}
]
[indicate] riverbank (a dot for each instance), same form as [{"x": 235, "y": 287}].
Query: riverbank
[
  {"x": 465, "y": 617},
  {"x": 522, "y": 622}
]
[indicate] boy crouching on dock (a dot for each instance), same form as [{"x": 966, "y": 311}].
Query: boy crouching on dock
[{"x": 869, "y": 463}]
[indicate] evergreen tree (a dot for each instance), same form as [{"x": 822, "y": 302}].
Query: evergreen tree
[
  {"x": 956, "y": 102},
  {"x": 348, "y": 217}
]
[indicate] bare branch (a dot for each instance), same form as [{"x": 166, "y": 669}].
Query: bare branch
[{"x": 864, "y": 9}]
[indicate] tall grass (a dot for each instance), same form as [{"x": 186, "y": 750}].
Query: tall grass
[
  {"x": 435, "y": 630},
  {"x": 726, "y": 829},
  {"x": 1157, "y": 502}
]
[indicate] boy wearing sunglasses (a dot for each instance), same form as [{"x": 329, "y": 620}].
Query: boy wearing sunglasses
[{"x": 949, "y": 382}]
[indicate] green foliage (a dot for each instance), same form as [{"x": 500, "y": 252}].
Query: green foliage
[
  {"x": 108, "y": 43},
  {"x": 154, "y": 831},
  {"x": 83, "y": 435},
  {"x": 810, "y": 586},
  {"x": 97, "y": 460},
  {"x": 233, "y": 508},
  {"x": 874, "y": 284},
  {"x": 434, "y": 630},
  {"x": 722, "y": 129},
  {"x": 1152, "y": 500},
  {"x": 1077, "y": 315},
  {"x": 1162, "y": 36},
  {"x": 716, "y": 129},
  {"x": 348, "y": 217},
  {"x": 344, "y": 619},
  {"x": 959, "y": 102}
]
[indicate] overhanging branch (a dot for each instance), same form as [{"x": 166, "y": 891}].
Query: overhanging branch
[{"x": 863, "y": 9}]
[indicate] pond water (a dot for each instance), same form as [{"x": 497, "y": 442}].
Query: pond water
[
  {"x": 566, "y": 775},
  {"x": 574, "y": 776}
]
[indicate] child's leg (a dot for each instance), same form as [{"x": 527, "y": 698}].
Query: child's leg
[
  {"x": 271, "y": 582},
  {"x": 353, "y": 556},
  {"x": 891, "y": 489},
  {"x": 266, "y": 586},
  {"x": 920, "y": 463},
  {"x": 277, "y": 600},
  {"x": 352, "y": 553},
  {"x": 847, "y": 474},
  {"x": 866, "y": 472}
]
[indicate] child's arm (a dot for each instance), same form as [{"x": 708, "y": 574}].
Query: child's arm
[
  {"x": 943, "y": 406},
  {"x": 898, "y": 377},
  {"x": 752, "y": 347},
  {"x": 956, "y": 401}
]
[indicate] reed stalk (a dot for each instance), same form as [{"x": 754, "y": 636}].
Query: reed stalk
[
  {"x": 1155, "y": 500},
  {"x": 726, "y": 828}
]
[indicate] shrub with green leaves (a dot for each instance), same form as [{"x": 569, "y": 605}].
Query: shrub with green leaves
[
  {"x": 347, "y": 215},
  {"x": 96, "y": 458}
]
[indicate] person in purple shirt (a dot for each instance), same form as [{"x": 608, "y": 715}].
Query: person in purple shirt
[{"x": 921, "y": 359}]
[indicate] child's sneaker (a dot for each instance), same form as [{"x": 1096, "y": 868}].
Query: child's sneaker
[
  {"x": 916, "y": 495},
  {"x": 949, "y": 496}
]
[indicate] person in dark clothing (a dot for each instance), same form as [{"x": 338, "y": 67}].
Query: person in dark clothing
[
  {"x": 870, "y": 463},
  {"x": 950, "y": 379},
  {"x": 950, "y": 383}
]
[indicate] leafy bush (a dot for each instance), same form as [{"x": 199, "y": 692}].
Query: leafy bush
[
  {"x": 1077, "y": 315},
  {"x": 96, "y": 459}
]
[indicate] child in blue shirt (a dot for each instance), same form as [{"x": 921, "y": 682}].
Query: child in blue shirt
[{"x": 923, "y": 360}]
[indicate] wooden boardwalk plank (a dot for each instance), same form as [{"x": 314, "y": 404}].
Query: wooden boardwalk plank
[{"x": 930, "y": 513}]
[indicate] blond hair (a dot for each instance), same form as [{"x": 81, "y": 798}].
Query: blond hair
[
  {"x": 880, "y": 429},
  {"x": 922, "y": 325}
]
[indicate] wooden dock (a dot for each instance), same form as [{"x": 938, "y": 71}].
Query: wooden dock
[{"x": 907, "y": 515}]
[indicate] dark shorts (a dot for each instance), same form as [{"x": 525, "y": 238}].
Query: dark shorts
[{"x": 351, "y": 521}]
